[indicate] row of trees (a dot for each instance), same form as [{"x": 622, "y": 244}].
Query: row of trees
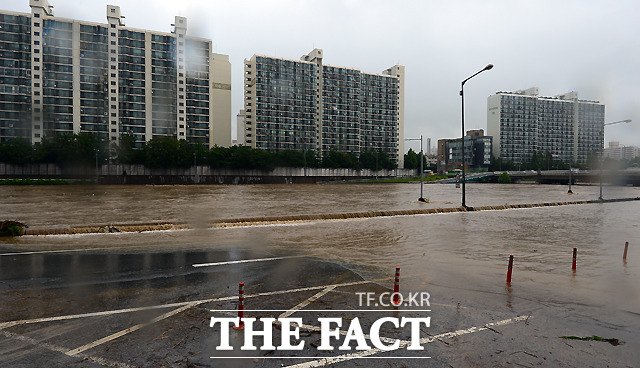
[{"x": 85, "y": 149}]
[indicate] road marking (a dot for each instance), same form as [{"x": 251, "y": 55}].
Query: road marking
[
  {"x": 246, "y": 261},
  {"x": 306, "y": 302},
  {"x": 368, "y": 353},
  {"x": 4, "y": 325},
  {"x": 76, "y": 250},
  {"x": 60, "y": 349},
  {"x": 130, "y": 329}
]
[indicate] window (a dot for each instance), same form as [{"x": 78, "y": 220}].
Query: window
[
  {"x": 36, "y": 67},
  {"x": 113, "y": 10},
  {"x": 113, "y": 26},
  {"x": 36, "y": 24},
  {"x": 36, "y": 15},
  {"x": 36, "y": 85},
  {"x": 36, "y": 42},
  {"x": 36, "y": 33}
]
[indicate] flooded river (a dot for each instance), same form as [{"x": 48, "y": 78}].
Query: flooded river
[{"x": 456, "y": 257}]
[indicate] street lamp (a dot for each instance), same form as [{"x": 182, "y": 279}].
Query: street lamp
[
  {"x": 488, "y": 67},
  {"x": 421, "y": 199},
  {"x": 602, "y": 149}
]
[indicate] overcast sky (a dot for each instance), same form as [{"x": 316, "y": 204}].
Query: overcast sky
[{"x": 591, "y": 47}]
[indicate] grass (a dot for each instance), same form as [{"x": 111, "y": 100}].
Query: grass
[{"x": 33, "y": 182}]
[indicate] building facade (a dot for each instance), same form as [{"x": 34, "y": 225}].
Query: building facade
[
  {"x": 63, "y": 76},
  {"x": 617, "y": 152},
  {"x": 477, "y": 152},
  {"x": 523, "y": 122},
  {"x": 307, "y": 105}
]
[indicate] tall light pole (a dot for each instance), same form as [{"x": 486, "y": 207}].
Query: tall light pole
[
  {"x": 421, "y": 199},
  {"x": 602, "y": 149},
  {"x": 488, "y": 67}
]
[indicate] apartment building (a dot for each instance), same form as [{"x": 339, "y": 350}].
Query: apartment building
[
  {"x": 477, "y": 152},
  {"x": 523, "y": 122},
  {"x": 308, "y": 105},
  {"x": 617, "y": 152},
  {"x": 60, "y": 76}
]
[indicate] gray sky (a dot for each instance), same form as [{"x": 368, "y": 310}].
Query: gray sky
[{"x": 591, "y": 47}]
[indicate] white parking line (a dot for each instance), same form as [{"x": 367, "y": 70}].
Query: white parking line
[
  {"x": 246, "y": 261},
  {"x": 128, "y": 330},
  {"x": 60, "y": 349},
  {"x": 7, "y": 324},
  {"x": 368, "y": 353},
  {"x": 306, "y": 302}
]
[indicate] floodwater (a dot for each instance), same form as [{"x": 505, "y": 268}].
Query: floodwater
[{"x": 456, "y": 257}]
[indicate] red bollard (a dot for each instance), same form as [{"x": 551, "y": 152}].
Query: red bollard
[
  {"x": 510, "y": 269},
  {"x": 240, "y": 308},
  {"x": 396, "y": 288},
  {"x": 575, "y": 255},
  {"x": 626, "y": 246}
]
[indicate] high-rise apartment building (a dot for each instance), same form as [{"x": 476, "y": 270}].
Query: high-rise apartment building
[
  {"x": 522, "y": 123},
  {"x": 62, "y": 76},
  {"x": 307, "y": 105}
]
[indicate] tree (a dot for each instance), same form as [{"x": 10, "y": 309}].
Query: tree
[
  {"x": 504, "y": 178},
  {"x": 16, "y": 151},
  {"x": 411, "y": 160}
]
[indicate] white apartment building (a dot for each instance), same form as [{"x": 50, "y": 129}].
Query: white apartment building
[
  {"x": 617, "y": 152},
  {"x": 308, "y": 105},
  {"x": 523, "y": 122},
  {"x": 63, "y": 76}
]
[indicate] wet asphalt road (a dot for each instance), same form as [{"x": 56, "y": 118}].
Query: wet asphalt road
[{"x": 145, "y": 309}]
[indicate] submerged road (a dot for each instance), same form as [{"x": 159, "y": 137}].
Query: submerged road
[{"x": 95, "y": 308}]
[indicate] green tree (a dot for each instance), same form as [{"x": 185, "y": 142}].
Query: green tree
[
  {"x": 17, "y": 151},
  {"x": 411, "y": 160},
  {"x": 504, "y": 178}
]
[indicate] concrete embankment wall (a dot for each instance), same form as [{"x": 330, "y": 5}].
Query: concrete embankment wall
[
  {"x": 139, "y": 174},
  {"x": 253, "y": 221}
]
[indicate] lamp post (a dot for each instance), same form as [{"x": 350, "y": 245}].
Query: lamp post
[
  {"x": 421, "y": 199},
  {"x": 602, "y": 149},
  {"x": 488, "y": 67}
]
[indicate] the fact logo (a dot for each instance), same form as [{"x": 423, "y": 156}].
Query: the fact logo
[
  {"x": 329, "y": 333},
  {"x": 332, "y": 329}
]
